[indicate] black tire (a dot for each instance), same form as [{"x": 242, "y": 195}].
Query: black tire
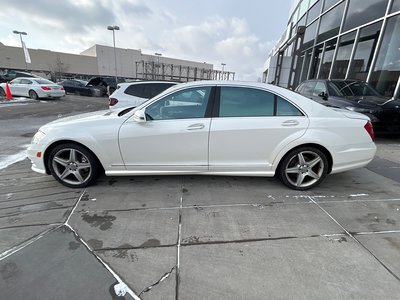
[
  {"x": 33, "y": 95},
  {"x": 2, "y": 92},
  {"x": 73, "y": 166},
  {"x": 303, "y": 168}
]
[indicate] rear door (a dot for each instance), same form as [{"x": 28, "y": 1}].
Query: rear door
[{"x": 250, "y": 127}]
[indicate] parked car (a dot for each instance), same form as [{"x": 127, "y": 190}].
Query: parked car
[
  {"x": 102, "y": 85},
  {"x": 10, "y": 75},
  {"x": 356, "y": 96},
  {"x": 77, "y": 87},
  {"x": 208, "y": 127},
  {"x": 34, "y": 88},
  {"x": 136, "y": 93}
]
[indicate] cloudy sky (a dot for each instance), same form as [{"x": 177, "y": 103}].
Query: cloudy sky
[{"x": 238, "y": 33}]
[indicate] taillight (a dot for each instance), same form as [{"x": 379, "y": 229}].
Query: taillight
[
  {"x": 46, "y": 88},
  {"x": 370, "y": 129},
  {"x": 62, "y": 88},
  {"x": 112, "y": 101}
]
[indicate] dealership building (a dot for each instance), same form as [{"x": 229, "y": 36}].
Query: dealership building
[
  {"x": 333, "y": 39},
  {"x": 100, "y": 60}
]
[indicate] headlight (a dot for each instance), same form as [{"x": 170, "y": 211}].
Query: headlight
[
  {"x": 361, "y": 110},
  {"x": 38, "y": 137}
]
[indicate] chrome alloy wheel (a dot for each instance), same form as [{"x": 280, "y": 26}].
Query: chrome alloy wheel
[
  {"x": 71, "y": 166},
  {"x": 304, "y": 169}
]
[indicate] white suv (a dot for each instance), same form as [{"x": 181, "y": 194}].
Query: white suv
[{"x": 135, "y": 93}]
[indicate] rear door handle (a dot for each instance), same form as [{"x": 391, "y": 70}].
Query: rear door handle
[
  {"x": 196, "y": 126},
  {"x": 290, "y": 123}
]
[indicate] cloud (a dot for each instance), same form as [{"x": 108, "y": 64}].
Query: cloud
[
  {"x": 75, "y": 25},
  {"x": 227, "y": 40}
]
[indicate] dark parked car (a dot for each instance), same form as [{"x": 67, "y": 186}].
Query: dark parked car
[
  {"x": 77, "y": 87},
  {"x": 102, "y": 86},
  {"x": 356, "y": 96},
  {"x": 10, "y": 75}
]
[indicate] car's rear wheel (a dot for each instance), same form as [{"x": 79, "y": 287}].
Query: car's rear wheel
[
  {"x": 33, "y": 95},
  {"x": 73, "y": 165},
  {"x": 303, "y": 168}
]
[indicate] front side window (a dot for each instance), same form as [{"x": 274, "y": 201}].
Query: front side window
[
  {"x": 319, "y": 88},
  {"x": 186, "y": 104}
]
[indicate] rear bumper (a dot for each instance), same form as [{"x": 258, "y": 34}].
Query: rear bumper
[{"x": 353, "y": 157}]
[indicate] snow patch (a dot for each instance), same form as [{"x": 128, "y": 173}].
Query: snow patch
[
  {"x": 12, "y": 159},
  {"x": 358, "y": 195}
]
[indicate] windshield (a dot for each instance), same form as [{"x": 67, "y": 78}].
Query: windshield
[{"x": 351, "y": 89}]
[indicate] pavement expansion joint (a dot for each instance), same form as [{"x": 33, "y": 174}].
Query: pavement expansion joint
[
  {"x": 352, "y": 236},
  {"x": 34, "y": 211},
  {"x": 164, "y": 277}
]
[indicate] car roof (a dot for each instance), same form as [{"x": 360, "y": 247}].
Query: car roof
[{"x": 122, "y": 84}]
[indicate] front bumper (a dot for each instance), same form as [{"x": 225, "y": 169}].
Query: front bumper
[{"x": 37, "y": 162}]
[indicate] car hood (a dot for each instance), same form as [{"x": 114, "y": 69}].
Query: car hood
[{"x": 81, "y": 118}]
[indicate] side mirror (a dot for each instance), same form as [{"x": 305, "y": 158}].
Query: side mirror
[
  {"x": 323, "y": 95},
  {"x": 139, "y": 116}
]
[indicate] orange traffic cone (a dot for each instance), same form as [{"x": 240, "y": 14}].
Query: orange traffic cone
[{"x": 8, "y": 92}]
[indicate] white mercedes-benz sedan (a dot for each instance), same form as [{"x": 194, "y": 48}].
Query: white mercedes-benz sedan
[{"x": 208, "y": 127}]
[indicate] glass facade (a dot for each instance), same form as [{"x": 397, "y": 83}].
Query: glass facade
[{"x": 345, "y": 39}]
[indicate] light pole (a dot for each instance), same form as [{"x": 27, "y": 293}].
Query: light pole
[
  {"x": 21, "y": 33},
  {"x": 113, "y": 28}
]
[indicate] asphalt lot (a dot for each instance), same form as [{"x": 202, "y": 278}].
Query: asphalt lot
[{"x": 193, "y": 237}]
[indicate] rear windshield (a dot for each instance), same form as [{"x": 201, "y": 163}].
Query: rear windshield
[
  {"x": 351, "y": 88},
  {"x": 43, "y": 81}
]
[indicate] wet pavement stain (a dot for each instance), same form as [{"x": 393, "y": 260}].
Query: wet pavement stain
[
  {"x": 390, "y": 221},
  {"x": 9, "y": 270},
  {"x": 151, "y": 243},
  {"x": 191, "y": 240},
  {"x": 85, "y": 197},
  {"x": 185, "y": 190},
  {"x": 103, "y": 222},
  {"x": 95, "y": 244},
  {"x": 73, "y": 245},
  {"x": 112, "y": 181}
]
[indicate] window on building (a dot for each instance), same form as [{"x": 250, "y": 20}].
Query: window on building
[
  {"x": 343, "y": 55},
  {"x": 314, "y": 12},
  {"x": 316, "y": 59},
  {"x": 327, "y": 59},
  {"x": 306, "y": 65},
  {"x": 330, "y": 23},
  {"x": 309, "y": 35},
  {"x": 387, "y": 68},
  {"x": 364, "y": 53},
  {"x": 303, "y": 7},
  {"x": 329, "y": 4},
  {"x": 395, "y": 6},
  {"x": 362, "y": 11}
]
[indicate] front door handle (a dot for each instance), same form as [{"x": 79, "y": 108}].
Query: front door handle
[
  {"x": 196, "y": 126},
  {"x": 290, "y": 123}
]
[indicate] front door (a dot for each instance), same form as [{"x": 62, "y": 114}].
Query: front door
[{"x": 174, "y": 137}]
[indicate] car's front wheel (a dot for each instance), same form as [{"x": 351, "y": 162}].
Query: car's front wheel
[
  {"x": 2, "y": 92},
  {"x": 303, "y": 168},
  {"x": 73, "y": 165}
]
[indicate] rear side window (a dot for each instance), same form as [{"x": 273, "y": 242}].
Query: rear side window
[
  {"x": 245, "y": 102},
  {"x": 285, "y": 108},
  {"x": 153, "y": 89},
  {"x": 249, "y": 102},
  {"x": 137, "y": 90}
]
